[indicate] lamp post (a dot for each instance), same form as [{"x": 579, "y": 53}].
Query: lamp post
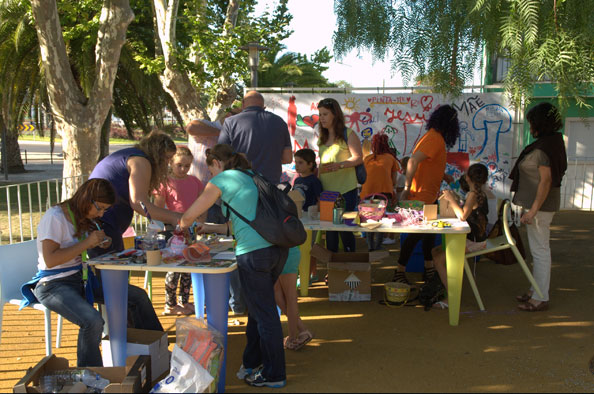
[{"x": 253, "y": 49}]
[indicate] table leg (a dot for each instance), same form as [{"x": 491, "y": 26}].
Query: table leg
[
  {"x": 455, "y": 251},
  {"x": 198, "y": 287},
  {"x": 305, "y": 249},
  {"x": 216, "y": 289},
  {"x": 115, "y": 292}
]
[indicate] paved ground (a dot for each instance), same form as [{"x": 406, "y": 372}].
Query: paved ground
[{"x": 367, "y": 347}]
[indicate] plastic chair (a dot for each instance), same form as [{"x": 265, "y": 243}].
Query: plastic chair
[
  {"x": 493, "y": 245},
  {"x": 18, "y": 264}
]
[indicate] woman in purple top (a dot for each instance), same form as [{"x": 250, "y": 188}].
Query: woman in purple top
[{"x": 134, "y": 173}]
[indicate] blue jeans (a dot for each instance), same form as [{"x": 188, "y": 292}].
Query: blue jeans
[
  {"x": 66, "y": 297},
  {"x": 348, "y": 238},
  {"x": 258, "y": 272}
]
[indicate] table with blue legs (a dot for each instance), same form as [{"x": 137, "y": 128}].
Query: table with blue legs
[
  {"x": 210, "y": 284},
  {"x": 455, "y": 246}
]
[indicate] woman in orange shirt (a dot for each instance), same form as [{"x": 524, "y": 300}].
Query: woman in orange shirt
[
  {"x": 424, "y": 173},
  {"x": 382, "y": 170}
]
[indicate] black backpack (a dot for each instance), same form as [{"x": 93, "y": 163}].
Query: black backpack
[{"x": 276, "y": 220}]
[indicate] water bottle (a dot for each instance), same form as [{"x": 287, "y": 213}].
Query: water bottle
[
  {"x": 54, "y": 381},
  {"x": 149, "y": 241}
]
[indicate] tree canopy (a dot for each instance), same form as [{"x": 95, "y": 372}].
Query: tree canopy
[{"x": 544, "y": 40}]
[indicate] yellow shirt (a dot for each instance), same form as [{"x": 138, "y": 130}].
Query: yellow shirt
[{"x": 341, "y": 181}]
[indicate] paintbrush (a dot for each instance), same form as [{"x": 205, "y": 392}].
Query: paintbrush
[{"x": 100, "y": 229}]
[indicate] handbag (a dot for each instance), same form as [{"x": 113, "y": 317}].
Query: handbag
[
  {"x": 506, "y": 256},
  {"x": 360, "y": 169}
]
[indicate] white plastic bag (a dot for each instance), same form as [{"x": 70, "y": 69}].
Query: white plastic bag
[{"x": 185, "y": 375}]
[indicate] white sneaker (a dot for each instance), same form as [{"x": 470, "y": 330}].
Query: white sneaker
[
  {"x": 388, "y": 241},
  {"x": 243, "y": 371}
]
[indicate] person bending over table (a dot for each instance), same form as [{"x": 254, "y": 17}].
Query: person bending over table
[
  {"x": 259, "y": 264},
  {"x": 65, "y": 231},
  {"x": 338, "y": 159},
  {"x": 135, "y": 173},
  {"x": 424, "y": 173}
]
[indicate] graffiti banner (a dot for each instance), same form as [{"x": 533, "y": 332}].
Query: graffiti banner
[{"x": 486, "y": 126}]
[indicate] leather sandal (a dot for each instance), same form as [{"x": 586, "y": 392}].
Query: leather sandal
[
  {"x": 529, "y": 307},
  {"x": 524, "y": 297}
]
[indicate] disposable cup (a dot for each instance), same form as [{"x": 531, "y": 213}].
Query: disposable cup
[
  {"x": 312, "y": 212},
  {"x": 153, "y": 257}
]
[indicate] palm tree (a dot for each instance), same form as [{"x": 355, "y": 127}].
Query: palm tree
[{"x": 294, "y": 69}]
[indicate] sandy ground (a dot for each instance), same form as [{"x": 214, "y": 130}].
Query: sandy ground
[{"x": 367, "y": 347}]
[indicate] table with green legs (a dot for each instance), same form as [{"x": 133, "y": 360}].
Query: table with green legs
[{"x": 455, "y": 247}]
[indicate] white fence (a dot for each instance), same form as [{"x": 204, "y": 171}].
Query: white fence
[{"x": 23, "y": 205}]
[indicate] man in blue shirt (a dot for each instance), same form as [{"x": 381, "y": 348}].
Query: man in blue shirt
[{"x": 261, "y": 135}]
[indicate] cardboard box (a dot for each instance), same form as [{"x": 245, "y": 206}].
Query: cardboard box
[
  {"x": 349, "y": 274},
  {"x": 135, "y": 377},
  {"x": 298, "y": 199},
  {"x": 445, "y": 209},
  {"x": 430, "y": 211},
  {"x": 146, "y": 343}
]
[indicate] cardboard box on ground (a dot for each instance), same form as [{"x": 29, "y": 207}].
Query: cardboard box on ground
[
  {"x": 135, "y": 377},
  {"x": 143, "y": 342},
  {"x": 349, "y": 274}
]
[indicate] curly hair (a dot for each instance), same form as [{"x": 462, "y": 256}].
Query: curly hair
[
  {"x": 157, "y": 145},
  {"x": 379, "y": 145},
  {"x": 93, "y": 190},
  {"x": 183, "y": 151},
  {"x": 544, "y": 119},
  {"x": 339, "y": 124},
  {"x": 230, "y": 159},
  {"x": 445, "y": 120}
]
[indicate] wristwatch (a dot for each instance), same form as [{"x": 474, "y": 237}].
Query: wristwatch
[{"x": 341, "y": 166}]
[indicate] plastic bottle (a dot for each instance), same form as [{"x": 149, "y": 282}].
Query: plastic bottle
[
  {"x": 55, "y": 380},
  {"x": 177, "y": 243}
]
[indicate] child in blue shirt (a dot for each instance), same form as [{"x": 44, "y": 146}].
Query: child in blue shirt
[{"x": 307, "y": 181}]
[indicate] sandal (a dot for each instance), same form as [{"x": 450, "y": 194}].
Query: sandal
[
  {"x": 524, "y": 297},
  {"x": 440, "y": 305},
  {"x": 530, "y": 307},
  {"x": 176, "y": 310},
  {"x": 295, "y": 344}
]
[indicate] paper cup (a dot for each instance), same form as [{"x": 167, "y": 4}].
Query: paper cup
[
  {"x": 312, "y": 212},
  {"x": 153, "y": 257}
]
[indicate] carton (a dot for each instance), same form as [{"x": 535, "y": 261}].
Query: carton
[
  {"x": 445, "y": 209},
  {"x": 143, "y": 342},
  {"x": 430, "y": 211},
  {"x": 327, "y": 200},
  {"x": 135, "y": 377},
  {"x": 349, "y": 274},
  {"x": 298, "y": 199}
]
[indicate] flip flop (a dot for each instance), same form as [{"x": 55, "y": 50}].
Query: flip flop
[
  {"x": 303, "y": 339},
  {"x": 440, "y": 305},
  {"x": 524, "y": 297}
]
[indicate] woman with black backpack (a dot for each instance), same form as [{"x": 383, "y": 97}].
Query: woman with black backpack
[{"x": 258, "y": 261}]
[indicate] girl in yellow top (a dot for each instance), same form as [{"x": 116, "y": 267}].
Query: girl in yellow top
[{"x": 338, "y": 159}]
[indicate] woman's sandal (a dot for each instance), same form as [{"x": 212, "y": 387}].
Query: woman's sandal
[
  {"x": 529, "y": 307},
  {"x": 440, "y": 305},
  {"x": 524, "y": 297},
  {"x": 295, "y": 344}
]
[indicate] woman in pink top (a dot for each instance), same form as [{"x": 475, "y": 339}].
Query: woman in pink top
[{"x": 179, "y": 192}]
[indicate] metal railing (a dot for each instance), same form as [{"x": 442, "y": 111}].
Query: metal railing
[{"x": 23, "y": 205}]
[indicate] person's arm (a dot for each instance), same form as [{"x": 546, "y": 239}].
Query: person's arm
[
  {"x": 53, "y": 255},
  {"x": 139, "y": 184},
  {"x": 287, "y": 157},
  {"x": 411, "y": 169},
  {"x": 542, "y": 191},
  {"x": 198, "y": 128},
  {"x": 225, "y": 135},
  {"x": 464, "y": 212},
  {"x": 207, "y": 199},
  {"x": 209, "y": 228}
]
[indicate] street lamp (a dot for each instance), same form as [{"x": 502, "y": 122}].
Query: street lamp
[{"x": 253, "y": 49}]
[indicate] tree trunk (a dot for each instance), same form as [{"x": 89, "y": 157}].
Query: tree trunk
[
  {"x": 78, "y": 118},
  {"x": 13, "y": 152}
]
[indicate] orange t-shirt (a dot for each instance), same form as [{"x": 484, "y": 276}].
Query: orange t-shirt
[
  {"x": 427, "y": 179},
  {"x": 380, "y": 172}
]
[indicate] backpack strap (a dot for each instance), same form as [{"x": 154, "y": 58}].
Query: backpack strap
[{"x": 230, "y": 208}]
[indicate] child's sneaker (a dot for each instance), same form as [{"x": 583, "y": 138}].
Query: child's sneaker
[
  {"x": 257, "y": 380},
  {"x": 244, "y": 372},
  {"x": 176, "y": 310}
]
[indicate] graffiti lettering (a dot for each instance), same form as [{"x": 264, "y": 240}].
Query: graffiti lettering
[
  {"x": 402, "y": 116},
  {"x": 385, "y": 100},
  {"x": 470, "y": 105}
]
